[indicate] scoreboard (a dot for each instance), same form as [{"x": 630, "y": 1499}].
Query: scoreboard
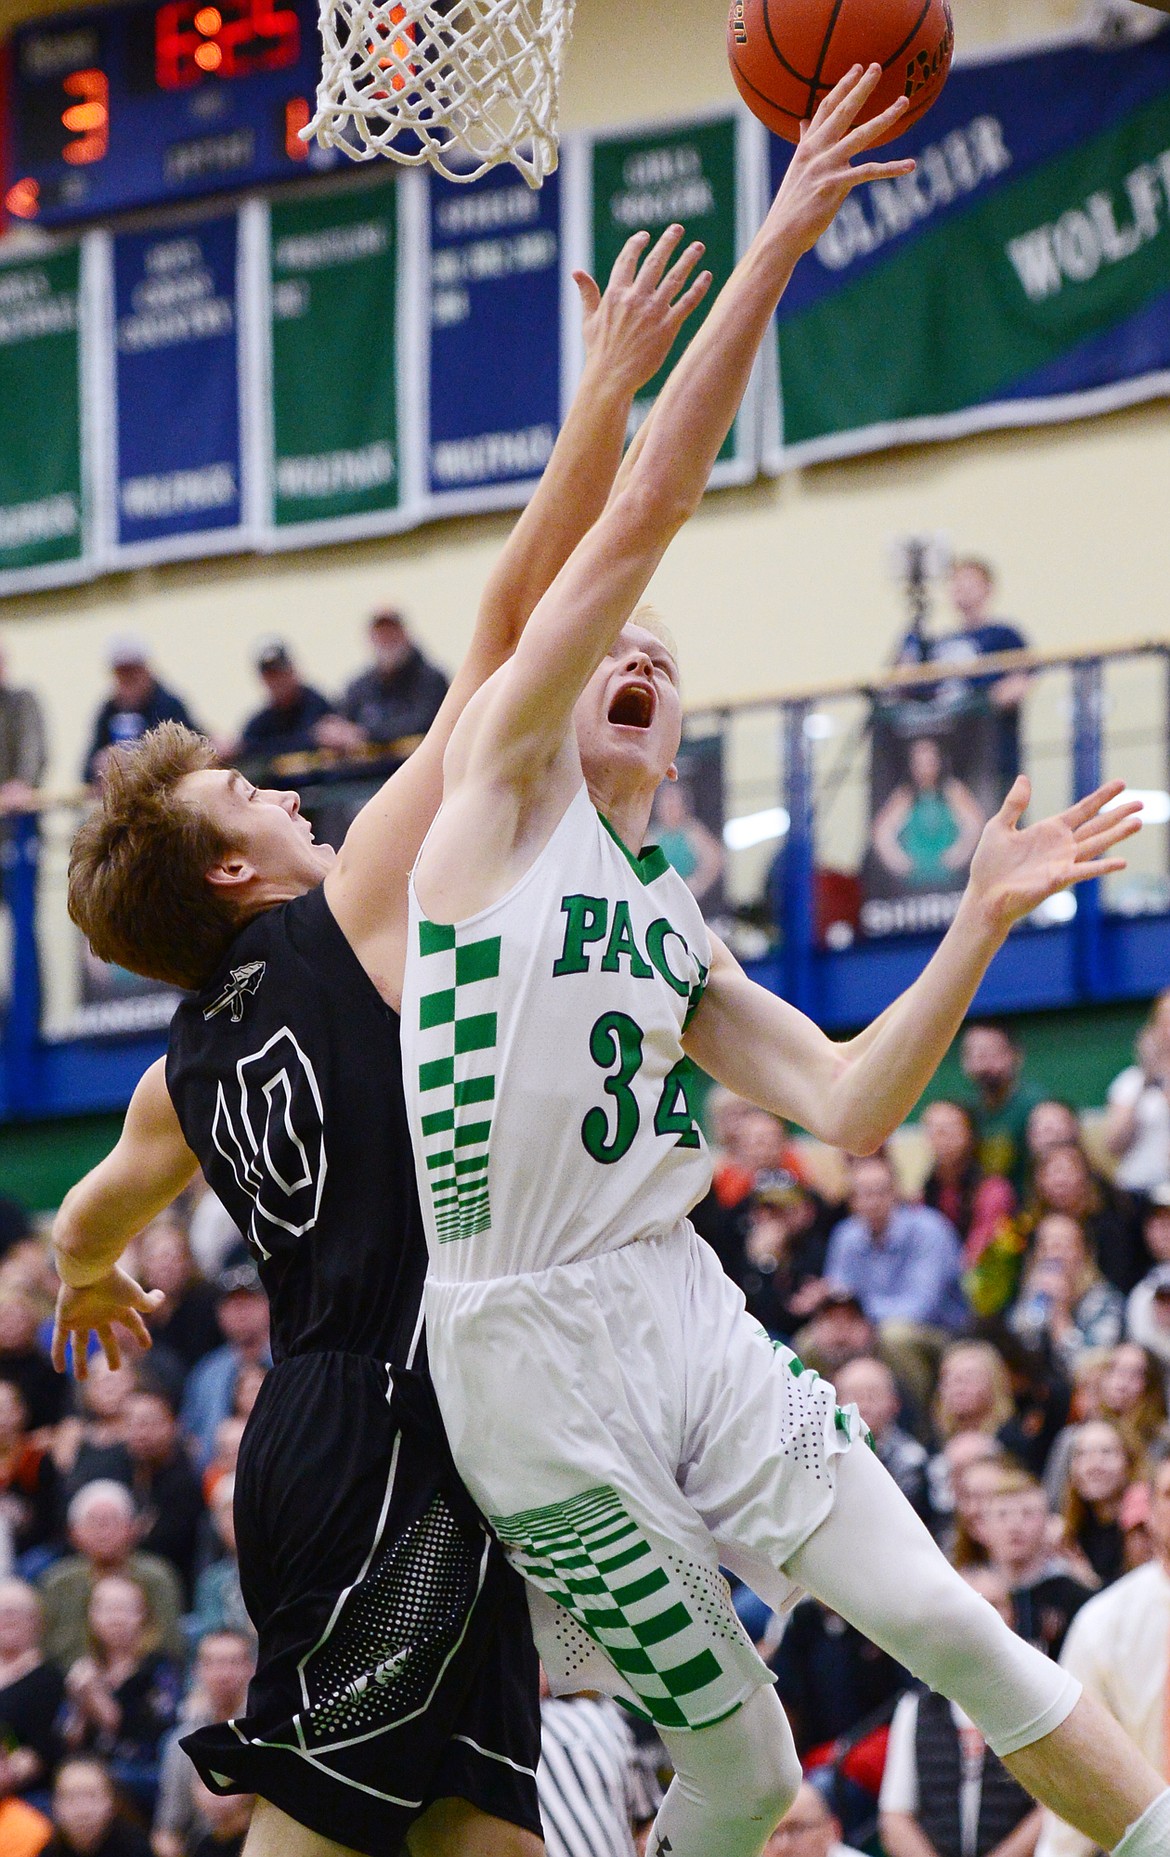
[{"x": 138, "y": 104}]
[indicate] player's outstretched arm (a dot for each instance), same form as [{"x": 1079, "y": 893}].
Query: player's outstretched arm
[
  {"x": 855, "y": 1095},
  {"x": 521, "y": 726},
  {"x": 628, "y": 333},
  {"x": 137, "y": 1180}
]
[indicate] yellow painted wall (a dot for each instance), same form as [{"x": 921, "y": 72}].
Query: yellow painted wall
[{"x": 778, "y": 585}]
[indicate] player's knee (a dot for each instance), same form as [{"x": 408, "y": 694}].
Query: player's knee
[{"x": 770, "y": 1777}]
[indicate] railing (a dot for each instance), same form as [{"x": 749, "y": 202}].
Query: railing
[{"x": 794, "y": 775}]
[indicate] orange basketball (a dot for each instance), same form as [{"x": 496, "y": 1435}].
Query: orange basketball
[{"x": 786, "y": 54}]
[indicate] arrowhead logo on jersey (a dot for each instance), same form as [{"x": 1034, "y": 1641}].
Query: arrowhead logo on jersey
[{"x": 243, "y": 980}]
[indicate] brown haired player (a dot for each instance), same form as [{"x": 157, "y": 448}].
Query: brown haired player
[{"x": 395, "y": 1700}]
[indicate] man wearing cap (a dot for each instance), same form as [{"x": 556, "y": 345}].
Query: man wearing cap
[
  {"x": 287, "y": 722},
  {"x": 401, "y": 692},
  {"x": 242, "y": 1314},
  {"x": 137, "y": 702}
]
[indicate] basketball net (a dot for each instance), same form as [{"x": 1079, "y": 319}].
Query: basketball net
[{"x": 461, "y": 84}]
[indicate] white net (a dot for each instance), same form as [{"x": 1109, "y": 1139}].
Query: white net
[{"x": 461, "y": 84}]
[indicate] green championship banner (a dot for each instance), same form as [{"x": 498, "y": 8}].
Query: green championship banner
[
  {"x": 701, "y": 174},
  {"x": 42, "y": 508},
  {"x": 1020, "y": 275},
  {"x": 335, "y": 376}
]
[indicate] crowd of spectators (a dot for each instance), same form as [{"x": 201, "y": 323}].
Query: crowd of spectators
[
  {"x": 122, "y": 1624},
  {"x": 987, "y": 1291},
  {"x": 368, "y": 725}
]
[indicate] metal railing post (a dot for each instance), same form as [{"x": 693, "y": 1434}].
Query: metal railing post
[
  {"x": 1088, "y": 709},
  {"x": 23, "y": 1025},
  {"x": 798, "y": 914}
]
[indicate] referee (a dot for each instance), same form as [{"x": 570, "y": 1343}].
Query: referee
[{"x": 594, "y": 1782}]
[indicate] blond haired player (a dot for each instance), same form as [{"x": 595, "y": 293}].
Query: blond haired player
[{"x": 621, "y": 1421}]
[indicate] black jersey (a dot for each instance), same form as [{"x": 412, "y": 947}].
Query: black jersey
[{"x": 286, "y": 1076}]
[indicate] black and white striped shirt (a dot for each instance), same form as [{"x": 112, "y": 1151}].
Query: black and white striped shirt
[{"x": 590, "y": 1782}]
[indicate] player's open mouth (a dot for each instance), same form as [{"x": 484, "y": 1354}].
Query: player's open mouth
[{"x": 633, "y": 706}]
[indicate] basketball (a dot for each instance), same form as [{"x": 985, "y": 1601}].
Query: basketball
[{"x": 786, "y": 55}]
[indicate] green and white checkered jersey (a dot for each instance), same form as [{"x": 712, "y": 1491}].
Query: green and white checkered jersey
[{"x": 543, "y": 1062}]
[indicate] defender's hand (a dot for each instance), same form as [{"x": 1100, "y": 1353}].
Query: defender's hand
[
  {"x": 819, "y": 176},
  {"x": 114, "y": 1298},
  {"x": 1016, "y": 867},
  {"x": 630, "y": 330}
]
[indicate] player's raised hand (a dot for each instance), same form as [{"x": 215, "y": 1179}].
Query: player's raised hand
[
  {"x": 630, "y": 330},
  {"x": 820, "y": 175},
  {"x": 1015, "y": 867},
  {"x": 114, "y": 1302}
]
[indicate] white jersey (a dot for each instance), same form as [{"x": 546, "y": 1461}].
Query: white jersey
[{"x": 543, "y": 1062}]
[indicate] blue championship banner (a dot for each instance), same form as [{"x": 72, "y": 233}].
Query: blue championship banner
[
  {"x": 1020, "y": 275},
  {"x": 493, "y": 322},
  {"x": 178, "y": 480}
]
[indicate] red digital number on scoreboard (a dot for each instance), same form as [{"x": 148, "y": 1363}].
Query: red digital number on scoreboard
[{"x": 195, "y": 39}]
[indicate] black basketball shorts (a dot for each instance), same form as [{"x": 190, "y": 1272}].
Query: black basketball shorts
[{"x": 396, "y": 1663}]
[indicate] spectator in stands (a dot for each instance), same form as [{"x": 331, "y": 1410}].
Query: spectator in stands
[
  {"x": 90, "y": 1446},
  {"x": 104, "y": 1530},
  {"x": 32, "y": 1691},
  {"x": 1101, "y": 1469},
  {"x": 1063, "y": 1180},
  {"x": 837, "y": 1331},
  {"x": 589, "y": 1781},
  {"x": 213, "y": 1236},
  {"x": 137, "y": 702},
  {"x": 228, "y": 1438},
  {"x": 809, "y": 1828},
  {"x": 24, "y": 1832},
  {"x": 774, "y": 1247},
  {"x": 727, "y": 1116},
  {"x": 1119, "y": 1648},
  {"x": 185, "y": 1324},
  {"x": 1017, "y": 1527},
  {"x": 977, "y": 635},
  {"x": 287, "y": 724},
  {"x": 1147, "y": 1314},
  {"x": 973, "y": 1201},
  {"x": 24, "y": 750},
  {"x": 1084, "y": 1404},
  {"x": 242, "y": 1313},
  {"x": 1133, "y": 1396},
  {"x": 23, "y": 1361},
  {"x": 28, "y": 1479},
  {"x": 219, "y": 1603},
  {"x": 87, "y": 1819},
  {"x": 964, "y": 1476},
  {"x": 903, "y": 1264},
  {"x": 1051, "y": 1123},
  {"x": 868, "y": 1384},
  {"x": 1137, "y": 1126},
  {"x": 992, "y": 1061},
  {"x": 165, "y": 1484},
  {"x": 944, "y": 1793},
  {"x": 224, "y": 1665},
  {"x": 123, "y": 1694},
  {"x": 974, "y": 1391},
  {"x": 397, "y": 697},
  {"x": 1064, "y": 1300}
]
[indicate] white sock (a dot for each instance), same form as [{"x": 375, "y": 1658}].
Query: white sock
[{"x": 1149, "y": 1836}]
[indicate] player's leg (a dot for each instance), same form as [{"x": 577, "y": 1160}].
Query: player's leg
[
  {"x": 273, "y": 1833},
  {"x": 733, "y": 1783},
  {"x": 876, "y": 1565},
  {"x": 452, "y": 1828}
]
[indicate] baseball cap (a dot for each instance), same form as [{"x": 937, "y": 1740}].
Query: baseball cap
[
  {"x": 272, "y": 654},
  {"x": 126, "y": 648}
]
